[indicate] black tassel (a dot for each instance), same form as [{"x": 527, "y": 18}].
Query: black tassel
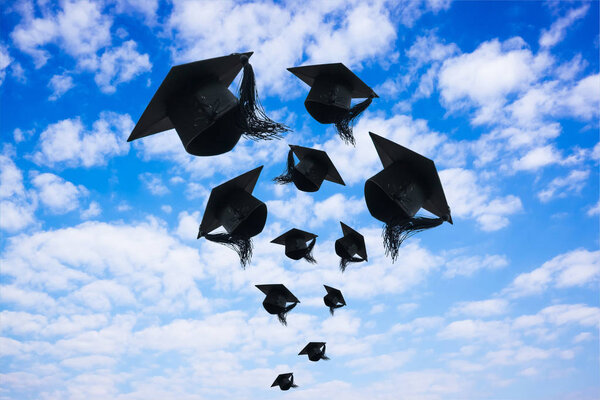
[
  {"x": 281, "y": 316},
  {"x": 344, "y": 126},
  {"x": 294, "y": 385},
  {"x": 345, "y": 261},
  {"x": 331, "y": 310},
  {"x": 308, "y": 256},
  {"x": 253, "y": 120},
  {"x": 286, "y": 177},
  {"x": 242, "y": 246},
  {"x": 324, "y": 357},
  {"x": 395, "y": 232}
]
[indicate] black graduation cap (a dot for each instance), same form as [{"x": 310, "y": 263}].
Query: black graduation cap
[
  {"x": 333, "y": 299},
  {"x": 333, "y": 86},
  {"x": 315, "y": 351},
  {"x": 351, "y": 244},
  {"x": 277, "y": 297},
  {"x": 243, "y": 216},
  {"x": 407, "y": 183},
  {"x": 285, "y": 381},
  {"x": 296, "y": 247},
  {"x": 194, "y": 99},
  {"x": 314, "y": 167}
]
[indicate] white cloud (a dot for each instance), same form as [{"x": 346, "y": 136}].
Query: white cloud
[
  {"x": 557, "y": 31},
  {"x": 538, "y": 158},
  {"x": 562, "y": 186},
  {"x": 492, "y": 331},
  {"x": 147, "y": 8},
  {"x": 5, "y": 60},
  {"x": 154, "y": 183},
  {"x": 468, "y": 265},
  {"x": 17, "y": 205},
  {"x": 384, "y": 362},
  {"x": 479, "y": 309},
  {"x": 60, "y": 84},
  {"x": 120, "y": 64},
  {"x": 594, "y": 210},
  {"x": 59, "y": 195},
  {"x": 92, "y": 211},
  {"x": 575, "y": 268},
  {"x": 68, "y": 143},
  {"x": 79, "y": 29},
  {"x": 467, "y": 199}
]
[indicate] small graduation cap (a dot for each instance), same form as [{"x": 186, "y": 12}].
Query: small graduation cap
[
  {"x": 333, "y": 86},
  {"x": 352, "y": 243},
  {"x": 314, "y": 167},
  {"x": 333, "y": 299},
  {"x": 194, "y": 99},
  {"x": 232, "y": 206},
  {"x": 407, "y": 183},
  {"x": 285, "y": 381},
  {"x": 315, "y": 351},
  {"x": 276, "y": 300},
  {"x": 296, "y": 247}
]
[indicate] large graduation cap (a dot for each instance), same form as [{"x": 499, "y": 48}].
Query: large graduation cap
[
  {"x": 333, "y": 299},
  {"x": 232, "y": 206},
  {"x": 407, "y": 183},
  {"x": 194, "y": 99},
  {"x": 333, "y": 86},
  {"x": 285, "y": 381},
  {"x": 277, "y": 297},
  {"x": 315, "y": 351},
  {"x": 295, "y": 242},
  {"x": 314, "y": 167},
  {"x": 351, "y": 244}
]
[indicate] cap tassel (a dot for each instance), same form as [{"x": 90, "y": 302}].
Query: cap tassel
[
  {"x": 332, "y": 310},
  {"x": 344, "y": 126},
  {"x": 286, "y": 177},
  {"x": 323, "y": 356},
  {"x": 308, "y": 256},
  {"x": 347, "y": 260},
  {"x": 253, "y": 120},
  {"x": 242, "y": 246},
  {"x": 281, "y": 316},
  {"x": 395, "y": 232}
]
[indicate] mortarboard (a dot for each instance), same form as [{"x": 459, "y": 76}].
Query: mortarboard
[
  {"x": 296, "y": 248},
  {"x": 407, "y": 183},
  {"x": 313, "y": 167},
  {"x": 243, "y": 216},
  {"x": 350, "y": 244},
  {"x": 277, "y": 297},
  {"x": 333, "y": 86},
  {"x": 333, "y": 299},
  {"x": 285, "y": 381},
  {"x": 315, "y": 351},
  {"x": 194, "y": 99}
]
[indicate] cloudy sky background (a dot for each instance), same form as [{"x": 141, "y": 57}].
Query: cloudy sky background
[{"x": 106, "y": 293}]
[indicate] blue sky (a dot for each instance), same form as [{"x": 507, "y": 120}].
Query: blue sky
[{"x": 106, "y": 293}]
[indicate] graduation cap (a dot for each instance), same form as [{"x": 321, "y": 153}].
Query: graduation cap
[
  {"x": 351, "y": 244},
  {"x": 232, "y": 206},
  {"x": 296, "y": 247},
  {"x": 315, "y": 351},
  {"x": 194, "y": 99},
  {"x": 277, "y": 297},
  {"x": 407, "y": 183},
  {"x": 333, "y": 299},
  {"x": 314, "y": 167},
  {"x": 333, "y": 86},
  {"x": 285, "y": 381}
]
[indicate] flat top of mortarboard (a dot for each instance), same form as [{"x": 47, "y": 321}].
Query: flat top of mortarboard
[
  {"x": 311, "y": 345},
  {"x": 335, "y": 292},
  {"x": 282, "y": 377},
  {"x": 332, "y": 173},
  {"x": 360, "y": 239},
  {"x": 309, "y": 73},
  {"x": 155, "y": 119},
  {"x": 218, "y": 196},
  {"x": 390, "y": 152},
  {"x": 266, "y": 289},
  {"x": 294, "y": 232}
]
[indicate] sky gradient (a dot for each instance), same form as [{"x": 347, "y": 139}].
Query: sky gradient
[{"x": 105, "y": 292}]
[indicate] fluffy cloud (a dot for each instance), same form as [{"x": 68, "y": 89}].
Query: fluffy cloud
[
  {"x": 557, "y": 31},
  {"x": 17, "y": 204},
  {"x": 572, "y": 183},
  {"x": 120, "y": 64},
  {"x": 468, "y": 199},
  {"x": 575, "y": 268},
  {"x": 483, "y": 308},
  {"x": 154, "y": 183},
  {"x": 68, "y": 143},
  {"x": 5, "y": 60},
  {"x": 461, "y": 265},
  {"x": 58, "y": 195},
  {"x": 60, "y": 84}
]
